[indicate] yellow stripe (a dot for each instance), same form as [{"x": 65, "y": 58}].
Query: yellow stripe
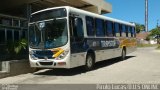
[{"x": 58, "y": 53}]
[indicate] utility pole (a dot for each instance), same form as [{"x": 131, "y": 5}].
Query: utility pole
[{"x": 146, "y": 15}]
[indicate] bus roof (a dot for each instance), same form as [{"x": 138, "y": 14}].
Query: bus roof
[{"x": 87, "y": 13}]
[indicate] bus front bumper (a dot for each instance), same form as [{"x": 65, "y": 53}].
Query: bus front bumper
[{"x": 50, "y": 63}]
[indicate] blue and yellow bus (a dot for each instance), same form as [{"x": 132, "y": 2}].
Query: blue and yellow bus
[{"x": 67, "y": 37}]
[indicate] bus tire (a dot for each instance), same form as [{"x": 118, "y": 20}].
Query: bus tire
[
  {"x": 123, "y": 54},
  {"x": 89, "y": 62}
]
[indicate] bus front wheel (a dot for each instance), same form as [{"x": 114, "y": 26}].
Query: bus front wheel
[{"x": 89, "y": 62}]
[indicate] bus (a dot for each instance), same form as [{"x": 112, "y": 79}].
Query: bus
[{"x": 67, "y": 37}]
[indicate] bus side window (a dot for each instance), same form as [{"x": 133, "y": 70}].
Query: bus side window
[
  {"x": 116, "y": 29},
  {"x": 99, "y": 27},
  {"x": 131, "y": 30},
  {"x": 90, "y": 26},
  {"x": 109, "y": 28},
  {"x": 134, "y": 31},
  {"x": 113, "y": 29},
  {"x": 120, "y": 29},
  {"x": 76, "y": 29},
  {"x": 123, "y": 31},
  {"x": 126, "y": 29}
]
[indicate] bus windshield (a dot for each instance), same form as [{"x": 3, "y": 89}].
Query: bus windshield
[{"x": 48, "y": 34}]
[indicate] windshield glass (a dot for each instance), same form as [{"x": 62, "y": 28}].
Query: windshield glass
[
  {"x": 49, "y": 14},
  {"x": 48, "y": 34}
]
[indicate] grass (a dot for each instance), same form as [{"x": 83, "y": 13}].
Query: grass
[
  {"x": 147, "y": 45},
  {"x": 158, "y": 47}
]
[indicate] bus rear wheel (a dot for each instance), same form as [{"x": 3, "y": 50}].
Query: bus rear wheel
[
  {"x": 123, "y": 54},
  {"x": 89, "y": 62}
]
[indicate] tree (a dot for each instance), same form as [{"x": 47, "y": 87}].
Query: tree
[
  {"x": 155, "y": 33},
  {"x": 15, "y": 49},
  {"x": 139, "y": 28}
]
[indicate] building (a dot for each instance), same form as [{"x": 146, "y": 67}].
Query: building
[
  {"x": 142, "y": 35},
  {"x": 142, "y": 38},
  {"x": 20, "y": 7},
  {"x": 14, "y": 15}
]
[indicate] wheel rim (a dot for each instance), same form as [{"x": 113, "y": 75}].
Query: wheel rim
[
  {"x": 89, "y": 62},
  {"x": 123, "y": 54}
]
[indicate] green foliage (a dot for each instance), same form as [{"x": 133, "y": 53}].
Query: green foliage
[
  {"x": 148, "y": 38},
  {"x": 139, "y": 28},
  {"x": 146, "y": 45},
  {"x": 155, "y": 33},
  {"x": 17, "y": 46},
  {"x": 158, "y": 47},
  {"x": 21, "y": 44},
  {"x": 158, "y": 40}
]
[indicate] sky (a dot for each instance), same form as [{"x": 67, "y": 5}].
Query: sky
[{"x": 134, "y": 11}]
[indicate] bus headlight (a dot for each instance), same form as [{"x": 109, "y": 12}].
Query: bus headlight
[
  {"x": 33, "y": 57},
  {"x": 31, "y": 53},
  {"x": 62, "y": 55}
]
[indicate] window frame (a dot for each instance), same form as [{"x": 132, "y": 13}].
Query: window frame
[
  {"x": 120, "y": 29},
  {"x": 102, "y": 30},
  {"x": 109, "y": 28},
  {"x": 123, "y": 28},
  {"x": 126, "y": 30},
  {"x": 73, "y": 28},
  {"x": 78, "y": 27},
  {"x": 117, "y": 29},
  {"x": 90, "y": 27}
]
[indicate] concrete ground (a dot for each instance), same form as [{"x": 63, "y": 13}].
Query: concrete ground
[{"x": 141, "y": 66}]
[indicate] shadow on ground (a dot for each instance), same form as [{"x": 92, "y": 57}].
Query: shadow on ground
[{"x": 80, "y": 70}]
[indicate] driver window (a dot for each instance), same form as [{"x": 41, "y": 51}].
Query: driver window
[{"x": 77, "y": 28}]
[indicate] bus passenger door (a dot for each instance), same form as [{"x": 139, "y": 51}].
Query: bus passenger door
[{"x": 77, "y": 41}]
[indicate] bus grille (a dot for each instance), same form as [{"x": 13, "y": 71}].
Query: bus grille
[
  {"x": 43, "y": 54},
  {"x": 46, "y": 63}
]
